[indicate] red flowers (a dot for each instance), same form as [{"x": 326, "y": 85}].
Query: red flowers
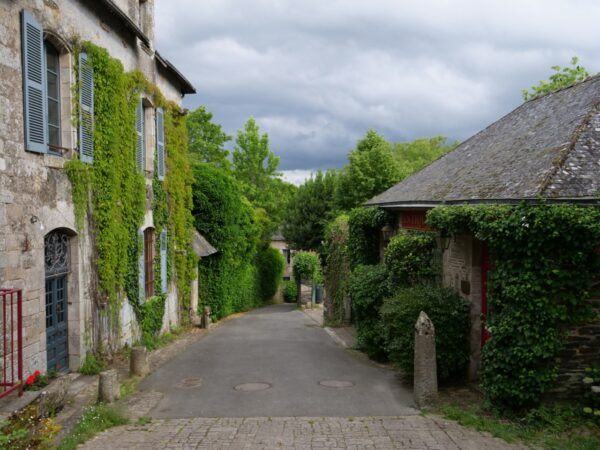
[{"x": 31, "y": 378}]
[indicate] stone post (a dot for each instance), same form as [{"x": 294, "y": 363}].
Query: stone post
[
  {"x": 138, "y": 362},
  {"x": 206, "y": 321},
  {"x": 108, "y": 386},
  {"x": 425, "y": 375}
]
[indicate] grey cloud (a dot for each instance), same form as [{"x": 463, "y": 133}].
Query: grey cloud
[{"x": 318, "y": 74}]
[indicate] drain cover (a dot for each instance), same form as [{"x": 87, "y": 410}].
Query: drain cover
[
  {"x": 188, "y": 383},
  {"x": 336, "y": 383},
  {"x": 249, "y": 387}
]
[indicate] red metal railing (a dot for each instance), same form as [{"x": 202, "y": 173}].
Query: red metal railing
[{"x": 11, "y": 341}]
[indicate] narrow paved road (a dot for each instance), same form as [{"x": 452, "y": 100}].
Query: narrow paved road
[
  {"x": 314, "y": 395},
  {"x": 278, "y": 348}
]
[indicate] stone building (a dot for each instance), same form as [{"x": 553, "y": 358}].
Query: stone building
[
  {"x": 42, "y": 252},
  {"x": 547, "y": 149}
]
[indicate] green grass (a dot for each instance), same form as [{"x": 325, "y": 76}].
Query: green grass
[
  {"x": 154, "y": 342},
  {"x": 129, "y": 386},
  {"x": 552, "y": 427},
  {"x": 144, "y": 420},
  {"x": 92, "y": 365},
  {"x": 95, "y": 419}
]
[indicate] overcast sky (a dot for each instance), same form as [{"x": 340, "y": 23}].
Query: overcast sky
[{"x": 317, "y": 74}]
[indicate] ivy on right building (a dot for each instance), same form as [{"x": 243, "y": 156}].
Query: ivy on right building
[{"x": 516, "y": 212}]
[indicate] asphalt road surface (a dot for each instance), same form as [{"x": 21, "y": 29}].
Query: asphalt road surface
[{"x": 274, "y": 362}]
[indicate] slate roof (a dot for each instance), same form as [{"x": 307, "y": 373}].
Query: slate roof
[
  {"x": 201, "y": 246},
  {"x": 548, "y": 147}
]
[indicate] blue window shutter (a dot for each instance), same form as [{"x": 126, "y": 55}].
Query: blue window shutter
[
  {"x": 86, "y": 109},
  {"x": 160, "y": 143},
  {"x": 163, "y": 261},
  {"x": 141, "y": 268},
  {"x": 139, "y": 128},
  {"x": 34, "y": 91}
]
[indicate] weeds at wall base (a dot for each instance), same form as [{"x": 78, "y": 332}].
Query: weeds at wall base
[
  {"x": 554, "y": 427},
  {"x": 95, "y": 419}
]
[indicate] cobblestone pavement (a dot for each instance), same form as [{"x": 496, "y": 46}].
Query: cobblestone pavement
[{"x": 373, "y": 433}]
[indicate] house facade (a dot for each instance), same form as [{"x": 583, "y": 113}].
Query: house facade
[
  {"x": 49, "y": 112},
  {"x": 546, "y": 150}
]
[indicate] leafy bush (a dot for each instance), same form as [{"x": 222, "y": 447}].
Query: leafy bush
[
  {"x": 450, "y": 316},
  {"x": 152, "y": 313},
  {"x": 364, "y": 229},
  {"x": 408, "y": 258},
  {"x": 229, "y": 280},
  {"x": 307, "y": 266},
  {"x": 290, "y": 291},
  {"x": 337, "y": 269},
  {"x": 91, "y": 365},
  {"x": 271, "y": 265},
  {"x": 368, "y": 288}
]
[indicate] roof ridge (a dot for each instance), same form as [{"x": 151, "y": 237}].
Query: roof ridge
[{"x": 560, "y": 161}]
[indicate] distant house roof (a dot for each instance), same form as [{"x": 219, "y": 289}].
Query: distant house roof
[
  {"x": 201, "y": 246},
  {"x": 278, "y": 236},
  {"x": 185, "y": 86},
  {"x": 548, "y": 148}
]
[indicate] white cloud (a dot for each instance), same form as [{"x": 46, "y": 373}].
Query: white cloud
[
  {"x": 297, "y": 176},
  {"x": 317, "y": 74}
]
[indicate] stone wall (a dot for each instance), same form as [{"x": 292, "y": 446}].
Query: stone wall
[
  {"x": 581, "y": 350},
  {"x": 35, "y": 193},
  {"x": 462, "y": 271}
]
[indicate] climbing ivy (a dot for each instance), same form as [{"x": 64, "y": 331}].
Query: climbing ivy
[
  {"x": 364, "y": 229},
  {"x": 112, "y": 192},
  {"x": 544, "y": 259},
  {"x": 337, "y": 269}
]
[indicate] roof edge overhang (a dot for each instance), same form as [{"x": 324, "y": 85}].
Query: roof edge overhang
[
  {"x": 111, "y": 6},
  {"x": 126, "y": 21},
  {"x": 581, "y": 201},
  {"x": 186, "y": 86}
]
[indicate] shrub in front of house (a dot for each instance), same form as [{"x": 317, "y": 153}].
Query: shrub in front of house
[
  {"x": 290, "y": 291},
  {"x": 368, "y": 288},
  {"x": 270, "y": 265},
  {"x": 449, "y": 313},
  {"x": 409, "y": 258}
]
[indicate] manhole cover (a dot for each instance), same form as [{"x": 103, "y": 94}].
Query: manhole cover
[
  {"x": 336, "y": 383},
  {"x": 249, "y": 387},
  {"x": 188, "y": 383}
]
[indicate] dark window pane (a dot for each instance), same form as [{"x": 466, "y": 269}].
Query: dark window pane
[
  {"x": 53, "y": 135},
  {"x": 53, "y": 94},
  {"x": 52, "y": 83},
  {"x": 51, "y": 57},
  {"x": 53, "y": 113}
]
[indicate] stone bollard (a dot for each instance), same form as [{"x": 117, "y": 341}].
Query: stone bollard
[
  {"x": 425, "y": 375},
  {"x": 206, "y": 321},
  {"x": 108, "y": 386},
  {"x": 138, "y": 362}
]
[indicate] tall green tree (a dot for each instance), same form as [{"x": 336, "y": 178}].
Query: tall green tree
[
  {"x": 309, "y": 210},
  {"x": 255, "y": 167},
  {"x": 561, "y": 78},
  {"x": 415, "y": 155},
  {"x": 207, "y": 139},
  {"x": 371, "y": 170},
  {"x": 254, "y": 164}
]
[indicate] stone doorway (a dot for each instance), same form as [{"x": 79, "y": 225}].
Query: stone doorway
[{"x": 57, "y": 267}]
